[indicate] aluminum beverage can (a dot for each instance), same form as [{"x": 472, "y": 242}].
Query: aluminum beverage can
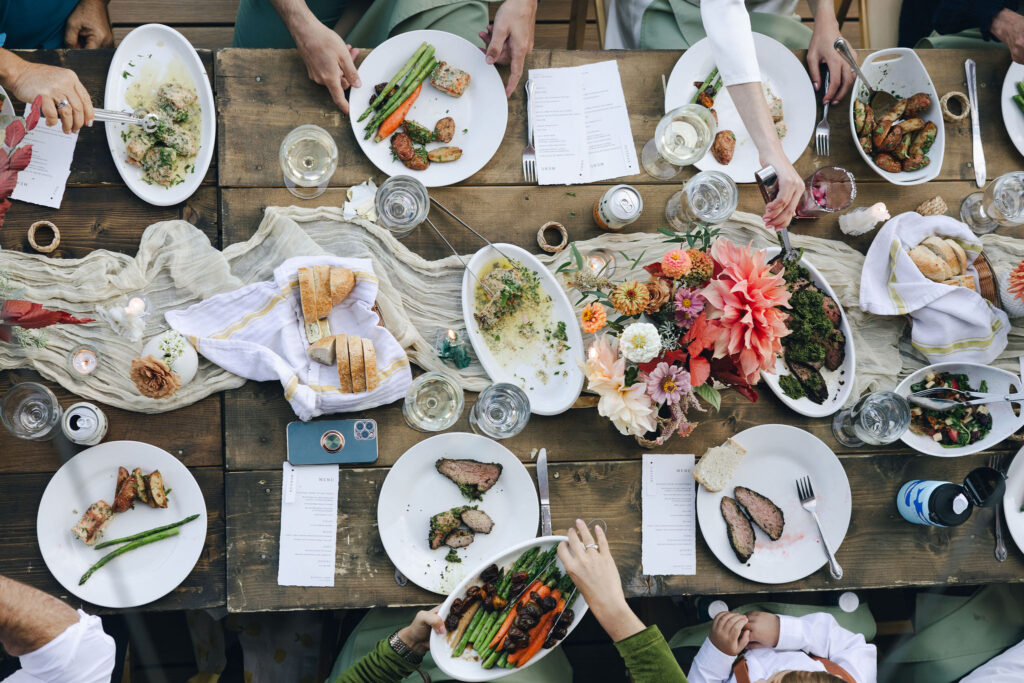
[
  {"x": 618, "y": 207},
  {"x": 84, "y": 424}
]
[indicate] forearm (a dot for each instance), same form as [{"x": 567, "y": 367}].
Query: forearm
[
  {"x": 732, "y": 40},
  {"x": 297, "y": 17},
  {"x": 823, "y": 11},
  {"x": 1003, "y": 24},
  {"x": 750, "y": 102},
  {"x": 381, "y": 665},
  {"x": 649, "y": 658},
  {"x": 30, "y": 618},
  {"x": 10, "y": 67},
  {"x": 618, "y": 621}
]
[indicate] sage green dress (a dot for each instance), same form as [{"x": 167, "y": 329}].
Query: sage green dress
[
  {"x": 676, "y": 25},
  {"x": 258, "y": 25}
]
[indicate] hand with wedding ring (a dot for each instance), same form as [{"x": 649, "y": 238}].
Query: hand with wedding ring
[
  {"x": 64, "y": 97},
  {"x": 590, "y": 564}
]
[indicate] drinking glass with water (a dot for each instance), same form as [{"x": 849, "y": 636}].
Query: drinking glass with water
[
  {"x": 876, "y": 419},
  {"x": 709, "y": 197},
  {"x": 402, "y": 203},
  {"x": 30, "y": 411},
  {"x": 501, "y": 411}
]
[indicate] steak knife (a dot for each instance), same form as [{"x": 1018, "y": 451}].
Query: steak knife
[
  {"x": 972, "y": 94},
  {"x": 542, "y": 487}
]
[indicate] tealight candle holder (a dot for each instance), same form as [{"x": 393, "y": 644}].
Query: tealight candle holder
[
  {"x": 451, "y": 348},
  {"x": 83, "y": 361},
  {"x": 601, "y": 261},
  {"x": 136, "y": 307}
]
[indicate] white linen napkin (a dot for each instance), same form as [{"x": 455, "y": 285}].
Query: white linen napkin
[
  {"x": 257, "y": 332},
  {"x": 949, "y": 323}
]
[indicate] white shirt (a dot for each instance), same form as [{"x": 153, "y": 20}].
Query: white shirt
[
  {"x": 732, "y": 40},
  {"x": 83, "y": 653},
  {"x": 1006, "y": 668},
  {"x": 816, "y": 634}
]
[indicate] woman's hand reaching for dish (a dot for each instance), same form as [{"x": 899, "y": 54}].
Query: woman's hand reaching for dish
[
  {"x": 510, "y": 38},
  {"x": 64, "y": 97}
]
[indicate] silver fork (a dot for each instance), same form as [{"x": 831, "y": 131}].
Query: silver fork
[
  {"x": 529, "y": 154},
  {"x": 823, "y": 130},
  {"x": 996, "y": 463},
  {"x": 810, "y": 503}
]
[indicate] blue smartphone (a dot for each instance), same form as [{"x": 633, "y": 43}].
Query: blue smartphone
[{"x": 329, "y": 442}]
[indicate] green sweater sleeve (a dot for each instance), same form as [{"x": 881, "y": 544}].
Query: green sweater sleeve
[
  {"x": 649, "y": 658},
  {"x": 382, "y": 665}
]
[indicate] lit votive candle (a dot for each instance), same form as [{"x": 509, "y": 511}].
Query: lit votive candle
[
  {"x": 84, "y": 361},
  {"x": 601, "y": 261},
  {"x": 136, "y": 306}
]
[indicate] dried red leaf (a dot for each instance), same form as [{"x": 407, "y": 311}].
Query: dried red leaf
[
  {"x": 14, "y": 133},
  {"x": 670, "y": 357},
  {"x": 33, "y": 116},
  {"x": 21, "y": 158},
  {"x": 726, "y": 372},
  {"x": 8, "y": 179},
  {"x": 6, "y": 333},
  {"x": 5, "y": 160},
  {"x": 33, "y": 316},
  {"x": 655, "y": 269},
  {"x": 4, "y": 205}
]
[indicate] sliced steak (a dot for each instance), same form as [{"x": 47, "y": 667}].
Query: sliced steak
[
  {"x": 471, "y": 476},
  {"x": 459, "y": 538},
  {"x": 810, "y": 379},
  {"x": 741, "y": 531},
  {"x": 762, "y": 512},
  {"x": 477, "y": 520},
  {"x": 442, "y": 524},
  {"x": 835, "y": 349},
  {"x": 832, "y": 310}
]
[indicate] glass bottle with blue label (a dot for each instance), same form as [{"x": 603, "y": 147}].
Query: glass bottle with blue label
[{"x": 945, "y": 504}]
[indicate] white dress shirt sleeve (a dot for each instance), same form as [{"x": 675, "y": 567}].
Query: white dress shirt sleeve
[
  {"x": 732, "y": 41},
  {"x": 1006, "y": 668},
  {"x": 711, "y": 665},
  {"x": 82, "y": 653},
  {"x": 821, "y": 635}
]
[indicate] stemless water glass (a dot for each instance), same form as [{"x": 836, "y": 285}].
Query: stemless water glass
[
  {"x": 876, "y": 419},
  {"x": 434, "y": 402},
  {"x": 827, "y": 190},
  {"x": 1000, "y": 205},
  {"x": 683, "y": 136},
  {"x": 309, "y": 157},
  {"x": 30, "y": 411},
  {"x": 708, "y": 197},
  {"x": 402, "y": 203},
  {"x": 501, "y": 411}
]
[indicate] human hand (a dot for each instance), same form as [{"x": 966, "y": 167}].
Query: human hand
[
  {"x": 88, "y": 26},
  {"x": 820, "y": 51},
  {"x": 55, "y": 85},
  {"x": 729, "y": 633},
  {"x": 510, "y": 38},
  {"x": 763, "y": 628},
  {"x": 593, "y": 571},
  {"x": 329, "y": 61},
  {"x": 417, "y": 634},
  {"x": 780, "y": 211},
  {"x": 1008, "y": 26}
]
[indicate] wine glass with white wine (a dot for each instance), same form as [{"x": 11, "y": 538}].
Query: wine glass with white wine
[
  {"x": 683, "y": 136},
  {"x": 1000, "y": 205},
  {"x": 309, "y": 157}
]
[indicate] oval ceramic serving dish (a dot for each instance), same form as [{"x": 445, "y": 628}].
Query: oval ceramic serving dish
[
  {"x": 549, "y": 393},
  {"x": 899, "y": 71},
  {"x": 839, "y": 382},
  {"x": 1004, "y": 422},
  {"x": 467, "y": 667}
]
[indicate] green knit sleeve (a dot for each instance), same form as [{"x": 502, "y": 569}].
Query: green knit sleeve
[
  {"x": 649, "y": 658},
  {"x": 382, "y": 665}
]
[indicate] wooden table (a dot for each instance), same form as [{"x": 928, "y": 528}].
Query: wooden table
[{"x": 260, "y": 96}]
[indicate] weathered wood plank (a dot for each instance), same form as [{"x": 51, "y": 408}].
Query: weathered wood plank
[
  {"x": 880, "y": 550},
  {"x": 249, "y": 84},
  {"x": 21, "y": 559},
  {"x": 93, "y": 164},
  {"x": 173, "y": 12}
]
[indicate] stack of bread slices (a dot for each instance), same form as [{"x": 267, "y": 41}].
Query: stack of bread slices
[
  {"x": 941, "y": 259},
  {"x": 321, "y": 288}
]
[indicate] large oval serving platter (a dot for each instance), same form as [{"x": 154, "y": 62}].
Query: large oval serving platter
[
  {"x": 159, "y": 52},
  {"x": 898, "y": 70},
  {"x": 467, "y": 667},
  {"x": 1013, "y": 117},
  {"x": 560, "y": 391},
  {"x": 1013, "y": 499},
  {"x": 1004, "y": 422},
  {"x": 839, "y": 382}
]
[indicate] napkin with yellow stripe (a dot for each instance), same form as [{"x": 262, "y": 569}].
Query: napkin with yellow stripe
[
  {"x": 257, "y": 332},
  {"x": 950, "y": 323}
]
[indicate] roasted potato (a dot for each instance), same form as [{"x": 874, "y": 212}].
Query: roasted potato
[
  {"x": 912, "y": 125},
  {"x": 886, "y": 162},
  {"x": 125, "y": 494},
  {"x": 895, "y": 113},
  {"x": 915, "y": 163},
  {"x": 418, "y": 133},
  {"x": 444, "y": 154},
  {"x": 122, "y": 477},
  {"x": 879, "y": 133},
  {"x": 869, "y": 120},
  {"x": 859, "y": 116},
  {"x": 917, "y": 105},
  {"x": 140, "y": 486},
  {"x": 892, "y": 139},
  {"x": 156, "y": 490},
  {"x": 923, "y": 140},
  {"x": 901, "y": 150},
  {"x": 866, "y": 145},
  {"x": 444, "y": 130}
]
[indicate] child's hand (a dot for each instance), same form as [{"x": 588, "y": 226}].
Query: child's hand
[
  {"x": 764, "y": 629},
  {"x": 729, "y": 633}
]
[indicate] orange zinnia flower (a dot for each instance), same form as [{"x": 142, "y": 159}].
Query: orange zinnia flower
[
  {"x": 630, "y": 298},
  {"x": 593, "y": 318}
]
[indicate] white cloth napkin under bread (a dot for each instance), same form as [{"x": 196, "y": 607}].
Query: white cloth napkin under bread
[
  {"x": 257, "y": 332},
  {"x": 949, "y": 323}
]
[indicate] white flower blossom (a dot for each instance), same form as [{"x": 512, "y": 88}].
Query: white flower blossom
[{"x": 640, "y": 342}]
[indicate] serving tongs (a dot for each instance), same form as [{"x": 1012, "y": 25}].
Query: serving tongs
[
  {"x": 927, "y": 398},
  {"x": 880, "y": 101},
  {"x": 768, "y": 183},
  {"x": 490, "y": 294},
  {"x": 146, "y": 120}
]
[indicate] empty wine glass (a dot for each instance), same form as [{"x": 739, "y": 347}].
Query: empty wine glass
[
  {"x": 30, "y": 411},
  {"x": 709, "y": 197},
  {"x": 683, "y": 136},
  {"x": 1000, "y": 205}
]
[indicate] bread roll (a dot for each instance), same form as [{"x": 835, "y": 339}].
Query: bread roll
[
  {"x": 355, "y": 360},
  {"x": 322, "y": 278},
  {"x": 962, "y": 281},
  {"x": 930, "y": 265},
  {"x": 322, "y": 351},
  {"x": 344, "y": 366},
  {"x": 942, "y": 249},
  {"x": 342, "y": 283},
  {"x": 307, "y": 295},
  {"x": 961, "y": 255},
  {"x": 370, "y": 364}
]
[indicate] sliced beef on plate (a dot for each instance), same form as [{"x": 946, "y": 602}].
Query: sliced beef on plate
[
  {"x": 477, "y": 520},
  {"x": 810, "y": 379},
  {"x": 442, "y": 524},
  {"x": 762, "y": 512},
  {"x": 472, "y": 476},
  {"x": 741, "y": 531},
  {"x": 835, "y": 349},
  {"x": 459, "y": 538},
  {"x": 832, "y": 310}
]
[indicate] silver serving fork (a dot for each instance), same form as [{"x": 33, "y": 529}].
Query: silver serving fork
[
  {"x": 996, "y": 463},
  {"x": 810, "y": 503},
  {"x": 823, "y": 130},
  {"x": 529, "y": 154}
]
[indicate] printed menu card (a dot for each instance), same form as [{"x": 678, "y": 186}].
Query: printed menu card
[
  {"x": 669, "y": 498},
  {"x": 309, "y": 525}
]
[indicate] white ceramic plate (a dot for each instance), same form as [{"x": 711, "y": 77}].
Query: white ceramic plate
[
  {"x": 1013, "y": 117},
  {"x": 467, "y": 667},
  {"x": 778, "y": 455},
  {"x": 414, "y": 491},
  {"x": 6, "y": 105},
  {"x": 839, "y": 382},
  {"x": 480, "y": 114},
  {"x": 139, "y": 576},
  {"x": 158, "y": 51},
  {"x": 558, "y": 392},
  {"x": 1013, "y": 499},
  {"x": 898, "y": 70},
  {"x": 781, "y": 71},
  {"x": 1004, "y": 422}
]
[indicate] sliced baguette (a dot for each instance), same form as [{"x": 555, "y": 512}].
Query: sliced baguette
[
  {"x": 344, "y": 367},
  {"x": 355, "y": 361},
  {"x": 370, "y": 365},
  {"x": 342, "y": 284},
  {"x": 717, "y": 467},
  {"x": 322, "y": 277},
  {"x": 307, "y": 295},
  {"x": 322, "y": 351},
  {"x": 961, "y": 255}
]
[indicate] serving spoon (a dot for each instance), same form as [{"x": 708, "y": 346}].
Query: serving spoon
[
  {"x": 147, "y": 121},
  {"x": 879, "y": 100}
]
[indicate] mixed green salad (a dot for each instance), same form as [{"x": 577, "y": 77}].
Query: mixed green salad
[{"x": 961, "y": 426}]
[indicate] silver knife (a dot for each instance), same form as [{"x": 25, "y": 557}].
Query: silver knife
[
  {"x": 542, "y": 487},
  {"x": 972, "y": 94}
]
